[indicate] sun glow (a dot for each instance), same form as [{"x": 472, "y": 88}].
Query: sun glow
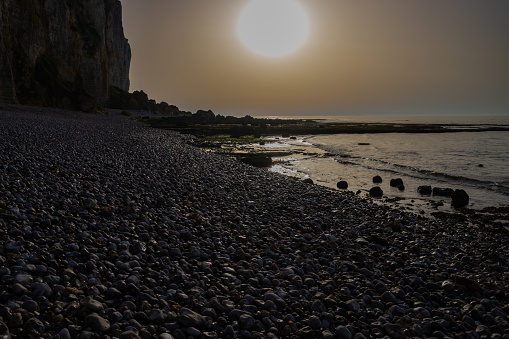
[{"x": 273, "y": 28}]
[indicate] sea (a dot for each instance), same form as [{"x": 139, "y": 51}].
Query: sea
[{"x": 477, "y": 162}]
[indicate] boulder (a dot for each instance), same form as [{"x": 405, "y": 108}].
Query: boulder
[
  {"x": 376, "y": 192},
  {"x": 396, "y": 182},
  {"x": 424, "y": 190},
  {"x": 257, "y": 161},
  {"x": 443, "y": 192},
  {"x": 460, "y": 198},
  {"x": 377, "y": 179},
  {"x": 342, "y": 185},
  {"x": 308, "y": 181}
]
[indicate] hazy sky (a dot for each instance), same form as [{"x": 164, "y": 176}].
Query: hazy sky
[{"x": 391, "y": 57}]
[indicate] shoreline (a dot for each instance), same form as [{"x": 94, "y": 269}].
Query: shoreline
[
  {"x": 113, "y": 227},
  {"x": 297, "y": 158}
]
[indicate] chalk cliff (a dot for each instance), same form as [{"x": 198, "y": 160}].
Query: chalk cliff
[{"x": 62, "y": 53}]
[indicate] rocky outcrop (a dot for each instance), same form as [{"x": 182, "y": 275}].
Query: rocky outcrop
[{"x": 62, "y": 53}]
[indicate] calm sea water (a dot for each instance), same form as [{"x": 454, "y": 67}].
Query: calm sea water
[{"x": 477, "y": 162}]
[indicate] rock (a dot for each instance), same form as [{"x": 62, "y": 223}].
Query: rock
[
  {"x": 64, "y": 334},
  {"x": 396, "y": 182},
  {"x": 388, "y": 296},
  {"x": 483, "y": 331},
  {"x": 33, "y": 327},
  {"x": 376, "y": 192},
  {"x": 448, "y": 286},
  {"x": 90, "y": 204},
  {"x": 395, "y": 331},
  {"x": 342, "y": 333},
  {"x": 314, "y": 322},
  {"x": 156, "y": 316},
  {"x": 280, "y": 303},
  {"x": 23, "y": 279},
  {"x": 424, "y": 190},
  {"x": 443, "y": 192},
  {"x": 318, "y": 306},
  {"x": 460, "y": 198},
  {"x": 395, "y": 225},
  {"x": 166, "y": 336},
  {"x": 97, "y": 323},
  {"x": 397, "y": 310},
  {"x": 41, "y": 289},
  {"x": 14, "y": 320},
  {"x": 305, "y": 333},
  {"x": 353, "y": 305},
  {"x": 257, "y": 161},
  {"x": 468, "y": 283},
  {"x": 377, "y": 179},
  {"x": 246, "y": 321},
  {"x": 129, "y": 335},
  {"x": 342, "y": 185},
  {"x": 308, "y": 181},
  {"x": 189, "y": 318},
  {"x": 94, "y": 305}
]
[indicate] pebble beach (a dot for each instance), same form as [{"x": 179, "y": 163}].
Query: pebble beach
[{"x": 112, "y": 229}]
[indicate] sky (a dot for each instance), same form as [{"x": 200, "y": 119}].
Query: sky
[{"x": 360, "y": 57}]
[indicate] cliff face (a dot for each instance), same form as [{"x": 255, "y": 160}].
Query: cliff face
[{"x": 62, "y": 53}]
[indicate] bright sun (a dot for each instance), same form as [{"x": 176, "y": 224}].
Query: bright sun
[{"x": 273, "y": 28}]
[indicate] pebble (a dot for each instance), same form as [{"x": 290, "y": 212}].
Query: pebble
[
  {"x": 136, "y": 234},
  {"x": 96, "y": 322}
]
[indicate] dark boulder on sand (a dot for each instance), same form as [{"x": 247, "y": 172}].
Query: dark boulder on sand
[
  {"x": 308, "y": 181},
  {"x": 396, "y": 182},
  {"x": 257, "y": 161},
  {"x": 443, "y": 192},
  {"x": 424, "y": 190},
  {"x": 460, "y": 198},
  {"x": 377, "y": 179},
  {"x": 376, "y": 192},
  {"x": 342, "y": 185}
]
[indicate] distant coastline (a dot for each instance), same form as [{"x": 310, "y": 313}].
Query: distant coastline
[{"x": 210, "y": 124}]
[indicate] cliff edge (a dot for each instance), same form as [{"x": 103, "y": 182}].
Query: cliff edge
[{"x": 62, "y": 53}]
